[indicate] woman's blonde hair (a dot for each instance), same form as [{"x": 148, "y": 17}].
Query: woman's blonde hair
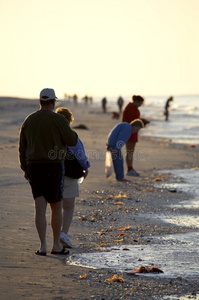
[
  {"x": 137, "y": 122},
  {"x": 66, "y": 113}
]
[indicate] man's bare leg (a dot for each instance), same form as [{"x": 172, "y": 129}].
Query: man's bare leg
[
  {"x": 56, "y": 223},
  {"x": 40, "y": 221}
]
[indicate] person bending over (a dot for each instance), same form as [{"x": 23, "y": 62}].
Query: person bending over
[{"x": 117, "y": 138}]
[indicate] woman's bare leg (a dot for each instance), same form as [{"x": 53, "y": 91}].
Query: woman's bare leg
[
  {"x": 68, "y": 210},
  {"x": 56, "y": 222}
]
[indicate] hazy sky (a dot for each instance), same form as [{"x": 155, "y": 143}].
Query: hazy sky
[{"x": 99, "y": 47}]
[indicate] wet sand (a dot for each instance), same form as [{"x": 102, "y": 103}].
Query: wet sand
[{"x": 98, "y": 218}]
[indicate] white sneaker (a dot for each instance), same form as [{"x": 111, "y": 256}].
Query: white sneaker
[
  {"x": 64, "y": 239},
  {"x": 132, "y": 173}
]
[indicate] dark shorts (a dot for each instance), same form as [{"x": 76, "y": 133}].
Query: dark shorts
[
  {"x": 133, "y": 138},
  {"x": 47, "y": 180}
]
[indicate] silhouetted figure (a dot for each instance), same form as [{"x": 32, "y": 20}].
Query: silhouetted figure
[
  {"x": 67, "y": 97},
  {"x": 131, "y": 112},
  {"x": 85, "y": 98},
  {"x": 166, "y": 112},
  {"x": 104, "y": 102},
  {"x": 75, "y": 99},
  {"x": 120, "y": 103}
]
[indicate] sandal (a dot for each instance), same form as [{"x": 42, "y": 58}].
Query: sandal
[
  {"x": 64, "y": 251},
  {"x": 40, "y": 253}
]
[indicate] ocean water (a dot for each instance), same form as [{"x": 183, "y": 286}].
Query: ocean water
[
  {"x": 175, "y": 254},
  {"x": 183, "y": 124},
  {"x": 187, "y": 181}
]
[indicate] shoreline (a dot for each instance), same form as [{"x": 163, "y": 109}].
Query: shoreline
[{"x": 96, "y": 218}]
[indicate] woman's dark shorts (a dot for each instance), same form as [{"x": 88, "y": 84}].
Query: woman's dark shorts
[{"x": 47, "y": 180}]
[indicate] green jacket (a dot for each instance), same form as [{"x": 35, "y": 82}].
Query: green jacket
[{"x": 43, "y": 138}]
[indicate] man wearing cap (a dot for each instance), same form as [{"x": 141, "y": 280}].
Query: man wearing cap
[{"x": 42, "y": 145}]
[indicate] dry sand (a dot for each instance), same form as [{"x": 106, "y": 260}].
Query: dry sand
[{"x": 96, "y": 218}]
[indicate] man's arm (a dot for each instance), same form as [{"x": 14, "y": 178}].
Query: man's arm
[
  {"x": 22, "y": 150},
  {"x": 70, "y": 137}
]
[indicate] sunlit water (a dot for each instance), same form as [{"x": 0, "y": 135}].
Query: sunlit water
[
  {"x": 176, "y": 255},
  {"x": 178, "y": 297},
  {"x": 182, "y": 126},
  {"x": 185, "y": 180}
]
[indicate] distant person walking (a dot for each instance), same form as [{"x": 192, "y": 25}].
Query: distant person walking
[
  {"x": 117, "y": 138},
  {"x": 120, "y": 103},
  {"x": 130, "y": 113},
  {"x": 166, "y": 112},
  {"x": 42, "y": 147},
  {"x": 71, "y": 186},
  {"x": 104, "y": 103},
  {"x": 85, "y": 98},
  {"x": 75, "y": 99}
]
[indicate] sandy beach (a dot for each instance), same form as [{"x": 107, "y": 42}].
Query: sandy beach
[{"x": 104, "y": 207}]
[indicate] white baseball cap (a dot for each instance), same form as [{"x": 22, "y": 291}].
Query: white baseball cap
[{"x": 47, "y": 94}]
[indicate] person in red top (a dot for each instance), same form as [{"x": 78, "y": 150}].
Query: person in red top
[{"x": 130, "y": 113}]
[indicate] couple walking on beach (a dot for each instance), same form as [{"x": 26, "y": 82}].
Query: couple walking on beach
[
  {"x": 126, "y": 133},
  {"x": 45, "y": 136},
  {"x": 45, "y": 139}
]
